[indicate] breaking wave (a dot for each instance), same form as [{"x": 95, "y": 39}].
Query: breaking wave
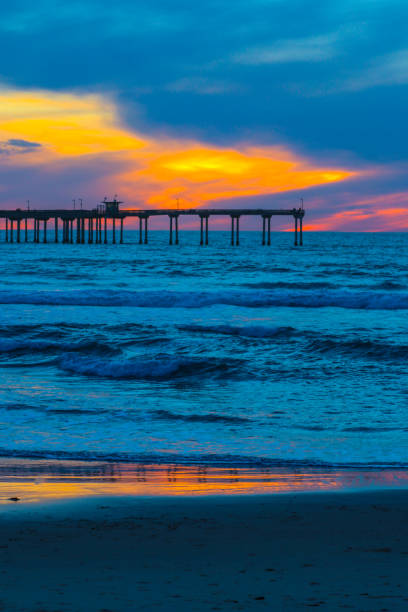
[
  {"x": 369, "y": 300},
  {"x": 21, "y": 345},
  {"x": 250, "y": 331},
  {"x": 198, "y": 418},
  {"x": 158, "y": 368},
  {"x": 224, "y": 460},
  {"x": 360, "y": 348}
]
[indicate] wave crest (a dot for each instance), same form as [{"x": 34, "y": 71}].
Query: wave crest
[
  {"x": 369, "y": 300},
  {"x": 156, "y": 368}
]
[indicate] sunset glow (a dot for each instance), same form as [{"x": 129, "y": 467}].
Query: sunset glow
[
  {"x": 150, "y": 171},
  {"x": 47, "y": 482}
]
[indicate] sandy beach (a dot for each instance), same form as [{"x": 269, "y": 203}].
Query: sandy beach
[{"x": 279, "y": 552}]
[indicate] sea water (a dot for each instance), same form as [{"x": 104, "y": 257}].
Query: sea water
[{"x": 248, "y": 355}]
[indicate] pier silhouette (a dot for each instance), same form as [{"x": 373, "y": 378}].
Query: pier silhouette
[{"x": 91, "y": 226}]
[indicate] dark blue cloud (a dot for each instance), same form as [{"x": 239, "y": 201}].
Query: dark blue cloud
[
  {"x": 307, "y": 73},
  {"x": 14, "y": 146}
]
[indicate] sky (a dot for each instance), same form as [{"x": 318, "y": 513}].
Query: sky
[{"x": 215, "y": 104}]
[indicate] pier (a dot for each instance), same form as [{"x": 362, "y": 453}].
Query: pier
[{"x": 105, "y": 223}]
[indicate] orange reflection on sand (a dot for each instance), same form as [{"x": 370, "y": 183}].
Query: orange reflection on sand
[{"x": 36, "y": 481}]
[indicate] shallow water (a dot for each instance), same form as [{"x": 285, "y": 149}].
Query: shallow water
[
  {"x": 40, "y": 480},
  {"x": 273, "y": 356}
]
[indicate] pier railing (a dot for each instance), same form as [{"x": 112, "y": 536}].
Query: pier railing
[{"x": 74, "y": 223}]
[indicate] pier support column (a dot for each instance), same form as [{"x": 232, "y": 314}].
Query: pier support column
[
  {"x": 25, "y": 230},
  {"x": 145, "y": 230},
  {"x": 171, "y": 230},
  {"x": 18, "y": 229},
  {"x": 206, "y": 231},
  {"x": 56, "y": 229},
  {"x": 83, "y": 230},
  {"x": 78, "y": 230},
  {"x": 7, "y": 230},
  {"x": 11, "y": 230},
  {"x": 71, "y": 231},
  {"x": 105, "y": 240},
  {"x": 140, "y": 231},
  {"x": 201, "y": 231},
  {"x": 45, "y": 231},
  {"x": 113, "y": 230},
  {"x": 121, "y": 230},
  {"x": 269, "y": 231},
  {"x": 235, "y": 238},
  {"x": 301, "y": 231},
  {"x": 100, "y": 230},
  {"x": 296, "y": 231},
  {"x": 90, "y": 223},
  {"x": 177, "y": 236},
  {"x": 263, "y": 230}
]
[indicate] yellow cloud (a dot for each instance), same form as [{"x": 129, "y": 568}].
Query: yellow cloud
[
  {"x": 65, "y": 124},
  {"x": 154, "y": 170}
]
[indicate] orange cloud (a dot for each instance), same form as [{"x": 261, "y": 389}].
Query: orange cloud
[
  {"x": 155, "y": 171},
  {"x": 198, "y": 173},
  {"x": 379, "y": 213}
]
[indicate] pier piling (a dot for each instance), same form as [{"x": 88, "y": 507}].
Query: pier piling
[
  {"x": 140, "y": 231},
  {"x": 145, "y": 228}
]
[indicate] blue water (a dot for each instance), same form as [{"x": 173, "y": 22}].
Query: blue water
[{"x": 252, "y": 355}]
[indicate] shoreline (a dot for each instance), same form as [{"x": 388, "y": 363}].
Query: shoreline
[
  {"x": 331, "y": 550},
  {"x": 34, "y": 481}
]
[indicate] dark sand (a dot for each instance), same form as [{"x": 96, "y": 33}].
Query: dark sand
[{"x": 331, "y": 551}]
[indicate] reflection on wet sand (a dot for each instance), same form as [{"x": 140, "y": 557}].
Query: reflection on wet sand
[{"x": 39, "y": 480}]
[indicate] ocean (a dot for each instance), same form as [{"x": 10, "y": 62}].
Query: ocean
[{"x": 218, "y": 355}]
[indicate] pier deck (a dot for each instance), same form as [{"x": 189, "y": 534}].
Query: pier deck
[{"x": 97, "y": 222}]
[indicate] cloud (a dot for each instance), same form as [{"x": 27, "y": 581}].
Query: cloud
[
  {"x": 148, "y": 168},
  {"x": 383, "y": 212},
  {"x": 17, "y": 146},
  {"x": 312, "y": 49},
  {"x": 202, "y": 86},
  {"x": 391, "y": 69}
]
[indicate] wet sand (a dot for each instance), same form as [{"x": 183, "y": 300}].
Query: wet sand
[{"x": 287, "y": 552}]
